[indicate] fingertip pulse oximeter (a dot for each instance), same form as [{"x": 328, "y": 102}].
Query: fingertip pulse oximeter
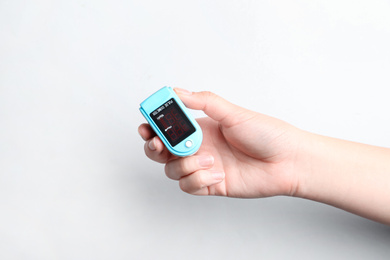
[{"x": 172, "y": 122}]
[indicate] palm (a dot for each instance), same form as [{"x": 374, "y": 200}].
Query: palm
[{"x": 242, "y": 151}]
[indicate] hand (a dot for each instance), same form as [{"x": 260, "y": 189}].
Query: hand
[{"x": 243, "y": 153}]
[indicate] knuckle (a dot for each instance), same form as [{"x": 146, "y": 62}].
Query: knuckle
[
  {"x": 185, "y": 166},
  {"x": 210, "y": 98},
  {"x": 209, "y": 95},
  {"x": 193, "y": 183},
  {"x": 183, "y": 186},
  {"x": 201, "y": 181},
  {"x": 175, "y": 169},
  {"x": 170, "y": 171}
]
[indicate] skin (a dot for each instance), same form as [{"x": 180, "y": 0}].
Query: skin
[{"x": 245, "y": 154}]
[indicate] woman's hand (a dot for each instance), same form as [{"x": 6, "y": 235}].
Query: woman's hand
[{"x": 243, "y": 154}]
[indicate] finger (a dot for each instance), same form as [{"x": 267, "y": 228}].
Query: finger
[
  {"x": 181, "y": 167},
  {"x": 156, "y": 151},
  {"x": 146, "y": 131},
  {"x": 214, "y": 106},
  {"x": 198, "y": 182}
]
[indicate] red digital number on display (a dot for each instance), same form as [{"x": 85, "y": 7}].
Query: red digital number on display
[{"x": 173, "y": 124}]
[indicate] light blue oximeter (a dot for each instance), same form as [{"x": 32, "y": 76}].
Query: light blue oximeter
[{"x": 172, "y": 122}]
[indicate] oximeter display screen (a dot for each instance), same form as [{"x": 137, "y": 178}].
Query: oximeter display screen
[{"x": 172, "y": 122}]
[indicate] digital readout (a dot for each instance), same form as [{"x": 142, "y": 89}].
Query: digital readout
[{"x": 172, "y": 122}]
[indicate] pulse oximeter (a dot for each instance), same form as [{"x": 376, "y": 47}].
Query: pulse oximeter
[{"x": 172, "y": 122}]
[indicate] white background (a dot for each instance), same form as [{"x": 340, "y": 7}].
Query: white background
[{"x": 74, "y": 181}]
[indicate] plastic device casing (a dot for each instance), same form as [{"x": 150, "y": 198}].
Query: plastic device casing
[{"x": 156, "y": 100}]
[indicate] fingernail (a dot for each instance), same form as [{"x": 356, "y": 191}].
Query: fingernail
[
  {"x": 152, "y": 145},
  {"x": 218, "y": 175},
  {"x": 182, "y": 91},
  {"x": 206, "y": 160}
]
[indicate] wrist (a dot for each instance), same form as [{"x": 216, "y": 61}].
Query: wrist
[{"x": 307, "y": 164}]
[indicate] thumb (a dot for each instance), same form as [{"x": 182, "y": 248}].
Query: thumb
[{"x": 217, "y": 108}]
